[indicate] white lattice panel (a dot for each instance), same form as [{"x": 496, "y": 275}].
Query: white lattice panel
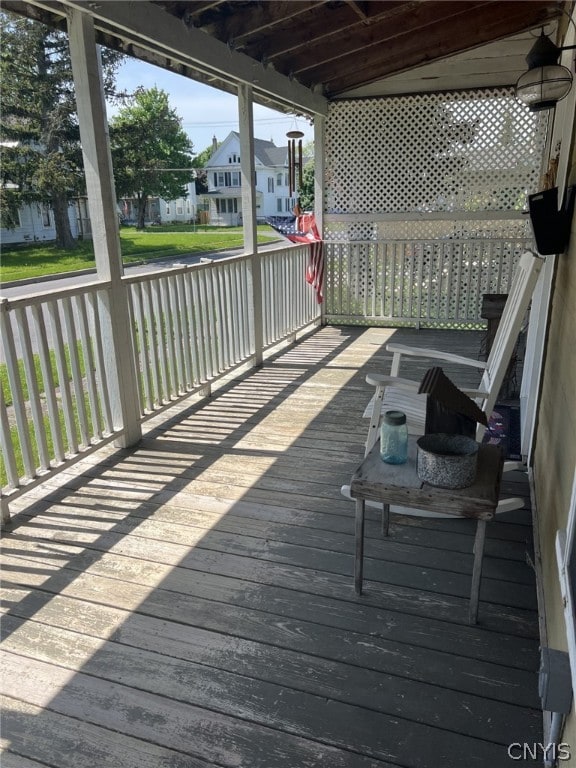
[
  {"x": 453, "y": 152},
  {"x": 423, "y": 195}
]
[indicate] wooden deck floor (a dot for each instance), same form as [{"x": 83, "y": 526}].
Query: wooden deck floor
[{"x": 190, "y": 603}]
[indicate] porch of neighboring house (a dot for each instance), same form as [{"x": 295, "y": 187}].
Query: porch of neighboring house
[{"x": 190, "y": 602}]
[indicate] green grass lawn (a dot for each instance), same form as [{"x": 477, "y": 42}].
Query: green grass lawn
[{"x": 30, "y": 261}]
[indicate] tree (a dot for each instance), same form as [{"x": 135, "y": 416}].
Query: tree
[
  {"x": 306, "y": 191},
  {"x": 39, "y": 135},
  {"x": 147, "y": 138}
]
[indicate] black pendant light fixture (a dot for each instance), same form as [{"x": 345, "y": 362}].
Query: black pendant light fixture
[{"x": 546, "y": 82}]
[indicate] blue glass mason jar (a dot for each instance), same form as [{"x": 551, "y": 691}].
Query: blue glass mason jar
[{"x": 394, "y": 438}]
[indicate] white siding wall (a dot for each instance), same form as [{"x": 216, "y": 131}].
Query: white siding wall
[
  {"x": 33, "y": 228},
  {"x": 181, "y": 210}
]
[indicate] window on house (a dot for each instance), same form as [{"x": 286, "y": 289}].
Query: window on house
[
  {"x": 46, "y": 218},
  {"x": 228, "y": 205},
  {"x": 228, "y": 179},
  {"x": 179, "y": 210},
  {"x": 279, "y": 204},
  {"x": 270, "y": 184},
  {"x": 279, "y": 180},
  {"x": 167, "y": 210}
]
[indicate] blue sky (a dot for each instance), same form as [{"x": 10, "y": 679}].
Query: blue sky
[{"x": 206, "y": 111}]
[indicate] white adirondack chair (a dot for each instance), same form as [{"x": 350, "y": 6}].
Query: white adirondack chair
[{"x": 395, "y": 393}]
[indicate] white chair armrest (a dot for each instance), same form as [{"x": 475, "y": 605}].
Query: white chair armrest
[
  {"x": 473, "y": 393},
  {"x": 381, "y": 380},
  {"x": 434, "y": 354}
]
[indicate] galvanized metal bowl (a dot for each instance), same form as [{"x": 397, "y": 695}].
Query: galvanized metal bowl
[{"x": 447, "y": 461}]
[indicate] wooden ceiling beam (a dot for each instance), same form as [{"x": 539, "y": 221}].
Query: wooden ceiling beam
[
  {"x": 445, "y": 39},
  {"x": 261, "y": 18},
  {"x": 383, "y": 33},
  {"x": 52, "y": 18},
  {"x": 359, "y": 9},
  {"x": 190, "y": 10},
  {"x": 321, "y": 25},
  {"x": 194, "y": 14}
]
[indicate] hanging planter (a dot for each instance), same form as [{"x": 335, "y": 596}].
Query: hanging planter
[{"x": 551, "y": 226}]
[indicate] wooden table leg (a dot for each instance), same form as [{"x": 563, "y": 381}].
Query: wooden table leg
[
  {"x": 359, "y": 555},
  {"x": 385, "y": 519},
  {"x": 477, "y": 570}
]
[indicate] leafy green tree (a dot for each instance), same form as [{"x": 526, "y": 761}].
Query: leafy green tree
[
  {"x": 39, "y": 135},
  {"x": 147, "y": 138},
  {"x": 306, "y": 191}
]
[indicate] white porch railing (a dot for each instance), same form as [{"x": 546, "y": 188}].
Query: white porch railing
[
  {"x": 192, "y": 325},
  {"x": 55, "y": 404},
  {"x": 421, "y": 283},
  {"x": 288, "y": 301},
  {"x": 195, "y": 324}
]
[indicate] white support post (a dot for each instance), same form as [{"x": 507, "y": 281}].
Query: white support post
[
  {"x": 248, "y": 175},
  {"x": 117, "y": 330},
  {"x": 319, "y": 168}
]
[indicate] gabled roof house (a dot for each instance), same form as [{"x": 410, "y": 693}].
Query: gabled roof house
[{"x": 223, "y": 170}]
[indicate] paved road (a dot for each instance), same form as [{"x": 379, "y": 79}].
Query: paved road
[
  {"x": 33, "y": 287},
  {"x": 46, "y": 286}
]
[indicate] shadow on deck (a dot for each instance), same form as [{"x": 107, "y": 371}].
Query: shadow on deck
[{"x": 190, "y": 603}]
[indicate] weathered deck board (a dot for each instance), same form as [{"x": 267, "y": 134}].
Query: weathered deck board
[
  {"x": 259, "y": 652},
  {"x": 128, "y": 560},
  {"x": 283, "y": 676},
  {"x": 68, "y": 742},
  {"x": 251, "y": 536},
  {"x": 246, "y": 602},
  {"x": 190, "y": 603},
  {"x": 263, "y": 560}
]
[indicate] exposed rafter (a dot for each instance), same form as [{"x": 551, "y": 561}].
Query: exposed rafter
[{"x": 292, "y": 51}]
